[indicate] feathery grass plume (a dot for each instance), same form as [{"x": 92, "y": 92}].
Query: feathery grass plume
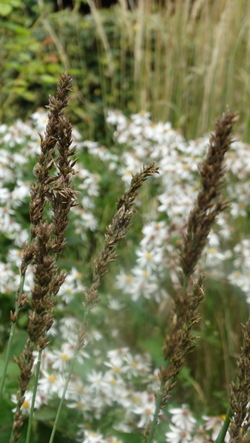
[
  {"x": 180, "y": 341},
  {"x": 115, "y": 232},
  {"x": 240, "y": 396},
  {"x": 51, "y": 190},
  {"x": 208, "y": 205},
  {"x": 210, "y": 201}
]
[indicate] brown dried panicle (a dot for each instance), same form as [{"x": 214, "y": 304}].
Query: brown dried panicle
[
  {"x": 240, "y": 395},
  {"x": 116, "y": 231},
  {"x": 210, "y": 202},
  {"x": 51, "y": 191},
  {"x": 25, "y": 362}
]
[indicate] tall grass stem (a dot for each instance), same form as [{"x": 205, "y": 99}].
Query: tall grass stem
[
  {"x": 71, "y": 369},
  {"x": 222, "y": 434},
  {"x": 12, "y": 334},
  {"x": 37, "y": 372}
]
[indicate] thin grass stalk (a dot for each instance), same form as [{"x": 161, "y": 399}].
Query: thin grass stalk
[
  {"x": 158, "y": 406},
  {"x": 70, "y": 372},
  {"x": 159, "y": 75},
  {"x": 11, "y": 335},
  {"x": 138, "y": 52},
  {"x": 103, "y": 36},
  {"x": 37, "y": 373},
  {"x": 20, "y": 300},
  {"x": 147, "y": 67},
  {"x": 51, "y": 32},
  {"x": 222, "y": 434},
  {"x": 240, "y": 393},
  {"x": 7, "y": 358}
]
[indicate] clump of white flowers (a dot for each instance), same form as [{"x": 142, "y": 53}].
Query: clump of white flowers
[
  {"x": 119, "y": 379},
  {"x": 177, "y": 186}
]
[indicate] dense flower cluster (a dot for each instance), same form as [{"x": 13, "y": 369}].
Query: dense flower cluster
[
  {"x": 176, "y": 191},
  {"x": 184, "y": 427},
  {"x": 111, "y": 385}
]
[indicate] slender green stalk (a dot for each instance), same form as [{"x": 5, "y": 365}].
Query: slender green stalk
[
  {"x": 149, "y": 438},
  {"x": 12, "y": 334},
  {"x": 11, "y": 435},
  {"x": 7, "y": 357},
  {"x": 71, "y": 369},
  {"x": 34, "y": 396},
  {"x": 222, "y": 434}
]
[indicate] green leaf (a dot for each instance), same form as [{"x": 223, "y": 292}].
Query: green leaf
[
  {"x": 45, "y": 414},
  {"x": 45, "y": 78},
  {"x": 6, "y": 417},
  {"x": 5, "y": 9},
  {"x": 14, "y": 27},
  {"x": 28, "y": 95}
]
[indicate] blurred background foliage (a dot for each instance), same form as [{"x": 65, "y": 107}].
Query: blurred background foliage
[{"x": 184, "y": 61}]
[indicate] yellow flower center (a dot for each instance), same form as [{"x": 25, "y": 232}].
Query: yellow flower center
[
  {"x": 64, "y": 357},
  {"x": 52, "y": 378},
  {"x": 79, "y": 404},
  {"x": 26, "y": 404},
  {"x": 79, "y": 389},
  {"x": 212, "y": 251},
  {"x": 134, "y": 364}
]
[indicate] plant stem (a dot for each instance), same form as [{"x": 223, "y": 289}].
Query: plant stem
[
  {"x": 154, "y": 422},
  {"x": 12, "y": 334},
  {"x": 222, "y": 434},
  {"x": 11, "y": 435},
  {"x": 34, "y": 396},
  {"x": 7, "y": 357},
  {"x": 71, "y": 369}
]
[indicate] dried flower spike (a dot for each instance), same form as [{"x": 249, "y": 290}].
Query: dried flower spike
[
  {"x": 52, "y": 190},
  {"x": 208, "y": 205}
]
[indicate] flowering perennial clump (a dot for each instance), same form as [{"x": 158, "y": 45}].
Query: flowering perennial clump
[{"x": 114, "y": 383}]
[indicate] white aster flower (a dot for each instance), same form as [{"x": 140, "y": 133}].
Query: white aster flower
[
  {"x": 51, "y": 383},
  {"x": 149, "y": 258},
  {"x": 177, "y": 435},
  {"x": 145, "y": 410},
  {"x": 93, "y": 437},
  {"x": 182, "y": 418},
  {"x": 25, "y": 408}
]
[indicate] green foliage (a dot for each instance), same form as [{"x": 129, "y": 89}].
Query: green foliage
[{"x": 180, "y": 67}]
